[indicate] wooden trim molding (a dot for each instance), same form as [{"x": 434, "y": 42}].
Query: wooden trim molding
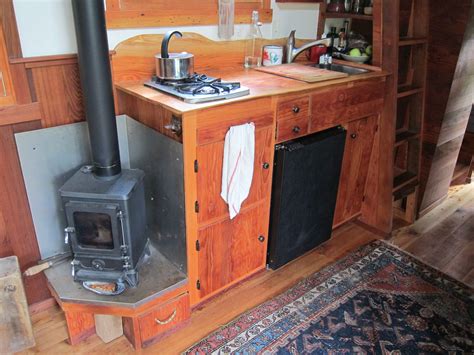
[
  {"x": 19, "y": 113},
  {"x": 162, "y": 13}
]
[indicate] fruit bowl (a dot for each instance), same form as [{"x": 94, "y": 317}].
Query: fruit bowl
[{"x": 356, "y": 59}]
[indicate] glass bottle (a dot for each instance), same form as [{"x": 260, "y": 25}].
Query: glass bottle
[{"x": 253, "y": 48}]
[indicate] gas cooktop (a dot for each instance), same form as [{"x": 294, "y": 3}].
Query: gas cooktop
[{"x": 199, "y": 88}]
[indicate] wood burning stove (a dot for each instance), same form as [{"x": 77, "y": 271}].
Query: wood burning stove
[
  {"x": 105, "y": 205},
  {"x": 106, "y": 225}
]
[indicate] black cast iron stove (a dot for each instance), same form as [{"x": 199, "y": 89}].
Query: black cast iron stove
[{"x": 105, "y": 205}]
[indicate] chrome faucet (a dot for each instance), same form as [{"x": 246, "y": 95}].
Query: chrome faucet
[{"x": 292, "y": 52}]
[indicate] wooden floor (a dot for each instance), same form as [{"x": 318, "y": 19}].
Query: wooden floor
[{"x": 444, "y": 239}]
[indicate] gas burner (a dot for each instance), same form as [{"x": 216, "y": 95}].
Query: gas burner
[{"x": 199, "y": 88}]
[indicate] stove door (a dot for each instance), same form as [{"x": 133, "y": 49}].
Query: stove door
[{"x": 95, "y": 227}]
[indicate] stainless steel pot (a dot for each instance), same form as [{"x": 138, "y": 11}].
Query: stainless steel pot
[{"x": 173, "y": 66}]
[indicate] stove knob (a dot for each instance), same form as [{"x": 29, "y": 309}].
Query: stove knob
[{"x": 98, "y": 264}]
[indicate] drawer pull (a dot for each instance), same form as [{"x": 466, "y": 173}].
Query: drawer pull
[
  {"x": 261, "y": 239},
  {"x": 266, "y": 165},
  {"x": 353, "y": 136},
  {"x": 169, "y": 320},
  {"x": 296, "y": 109},
  {"x": 296, "y": 129}
]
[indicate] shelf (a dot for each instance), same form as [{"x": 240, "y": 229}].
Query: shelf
[
  {"x": 405, "y": 136},
  {"x": 403, "y": 179},
  {"x": 404, "y": 91},
  {"x": 412, "y": 41},
  {"x": 349, "y": 15}
]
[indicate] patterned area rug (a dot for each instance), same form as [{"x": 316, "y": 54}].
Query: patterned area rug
[{"x": 376, "y": 300}]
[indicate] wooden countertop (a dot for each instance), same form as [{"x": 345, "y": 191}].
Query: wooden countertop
[{"x": 260, "y": 84}]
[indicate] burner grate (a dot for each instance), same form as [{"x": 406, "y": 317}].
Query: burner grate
[{"x": 199, "y": 84}]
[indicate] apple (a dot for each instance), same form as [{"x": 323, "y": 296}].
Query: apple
[
  {"x": 368, "y": 50},
  {"x": 355, "y": 52}
]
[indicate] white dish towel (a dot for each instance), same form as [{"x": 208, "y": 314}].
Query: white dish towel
[{"x": 237, "y": 167}]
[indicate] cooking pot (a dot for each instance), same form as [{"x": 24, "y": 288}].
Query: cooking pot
[{"x": 173, "y": 66}]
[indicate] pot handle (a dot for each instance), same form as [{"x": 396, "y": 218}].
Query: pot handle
[{"x": 165, "y": 42}]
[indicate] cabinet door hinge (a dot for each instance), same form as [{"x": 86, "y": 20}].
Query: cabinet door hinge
[
  {"x": 196, "y": 166},
  {"x": 198, "y": 245},
  {"x": 198, "y": 284},
  {"x": 196, "y": 207}
]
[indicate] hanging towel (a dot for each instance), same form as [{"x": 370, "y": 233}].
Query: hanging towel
[{"x": 237, "y": 167}]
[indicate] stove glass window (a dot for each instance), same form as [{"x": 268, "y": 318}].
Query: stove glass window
[{"x": 93, "y": 230}]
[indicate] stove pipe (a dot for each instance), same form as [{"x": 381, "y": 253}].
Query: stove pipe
[{"x": 96, "y": 82}]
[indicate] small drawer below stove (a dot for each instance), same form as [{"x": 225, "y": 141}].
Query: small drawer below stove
[{"x": 158, "y": 322}]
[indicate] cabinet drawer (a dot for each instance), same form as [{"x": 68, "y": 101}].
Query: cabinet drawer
[
  {"x": 290, "y": 129},
  {"x": 163, "y": 318},
  {"x": 346, "y": 104},
  {"x": 293, "y": 108}
]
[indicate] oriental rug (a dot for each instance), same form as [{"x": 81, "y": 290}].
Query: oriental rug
[{"x": 376, "y": 300}]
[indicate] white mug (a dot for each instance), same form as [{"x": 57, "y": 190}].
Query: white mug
[{"x": 272, "y": 55}]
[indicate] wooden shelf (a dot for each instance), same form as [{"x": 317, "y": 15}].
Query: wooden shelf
[
  {"x": 403, "y": 179},
  {"x": 405, "y": 136},
  {"x": 412, "y": 41},
  {"x": 349, "y": 15},
  {"x": 404, "y": 91}
]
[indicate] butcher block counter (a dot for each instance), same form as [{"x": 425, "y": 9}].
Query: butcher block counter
[{"x": 222, "y": 252}]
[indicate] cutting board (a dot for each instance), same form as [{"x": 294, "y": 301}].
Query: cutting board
[{"x": 302, "y": 72}]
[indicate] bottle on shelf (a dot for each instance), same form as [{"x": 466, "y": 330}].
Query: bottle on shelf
[
  {"x": 253, "y": 49},
  {"x": 342, "y": 39},
  {"x": 334, "y": 37}
]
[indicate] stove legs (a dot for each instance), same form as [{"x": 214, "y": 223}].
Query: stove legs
[{"x": 80, "y": 326}]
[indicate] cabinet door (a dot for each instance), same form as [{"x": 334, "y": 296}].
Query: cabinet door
[
  {"x": 232, "y": 249},
  {"x": 6, "y": 90},
  {"x": 209, "y": 176},
  {"x": 355, "y": 168}
]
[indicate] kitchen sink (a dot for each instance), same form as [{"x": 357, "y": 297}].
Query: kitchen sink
[{"x": 342, "y": 68}]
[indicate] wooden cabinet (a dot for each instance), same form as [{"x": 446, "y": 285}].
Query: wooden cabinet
[
  {"x": 222, "y": 251},
  {"x": 209, "y": 176},
  {"x": 7, "y": 96},
  {"x": 355, "y": 168},
  {"x": 232, "y": 249}
]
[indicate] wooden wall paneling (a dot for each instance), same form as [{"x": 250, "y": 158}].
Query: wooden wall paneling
[
  {"x": 8, "y": 23},
  {"x": 59, "y": 93},
  {"x": 377, "y": 206},
  {"x": 15, "y": 211},
  {"x": 162, "y": 13},
  {"x": 450, "y": 96}
]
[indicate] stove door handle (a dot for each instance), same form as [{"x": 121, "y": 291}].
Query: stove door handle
[{"x": 165, "y": 42}]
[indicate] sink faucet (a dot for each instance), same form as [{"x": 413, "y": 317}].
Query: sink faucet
[{"x": 292, "y": 52}]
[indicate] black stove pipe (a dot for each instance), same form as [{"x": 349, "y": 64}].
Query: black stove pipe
[{"x": 96, "y": 82}]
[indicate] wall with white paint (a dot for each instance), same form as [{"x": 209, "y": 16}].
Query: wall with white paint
[{"x": 46, "y": 26}]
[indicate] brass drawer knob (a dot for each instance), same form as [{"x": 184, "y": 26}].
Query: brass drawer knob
[
  {"x": 296, "y": 109},
  {"x": 169, "y": 320},
  {"x": 261, "y": 239},
  {"x": 266, "y": 165},
  {"x": 296, "y": 129},
  {"x": 353, "y": 136}
]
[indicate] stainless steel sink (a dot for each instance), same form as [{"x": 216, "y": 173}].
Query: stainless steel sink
[{"x": 342, "y": 68}]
